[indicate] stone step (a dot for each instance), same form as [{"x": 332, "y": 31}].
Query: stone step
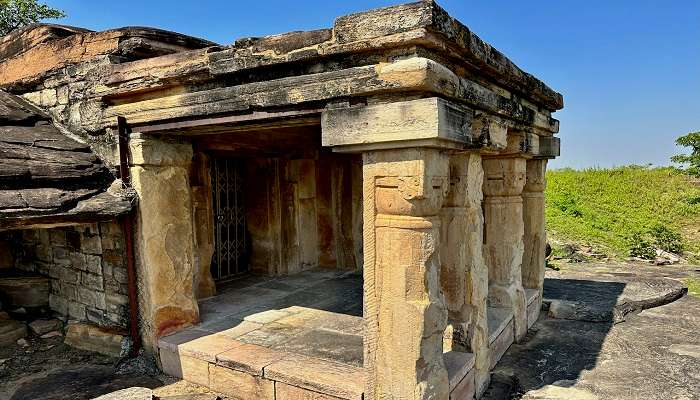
[
  {"x": 291, "y": 353},
  {"x": 533, "y": 306},
  {"x": 460, "y": 372},
  {"x": 501, "y": 333}
]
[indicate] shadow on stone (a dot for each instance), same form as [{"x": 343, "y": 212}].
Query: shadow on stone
[
  {"x": 81, "y": 382},
  {"x": 569, "y": 336}
]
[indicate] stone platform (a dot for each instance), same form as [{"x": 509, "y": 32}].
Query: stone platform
[{"x": 285, "y": 338}]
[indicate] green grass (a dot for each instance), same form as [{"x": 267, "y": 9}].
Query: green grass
[
  {"x": 605, "y": 208},
  {"x": 693, "y": 286}
]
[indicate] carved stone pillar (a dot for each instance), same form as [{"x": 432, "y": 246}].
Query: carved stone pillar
[
  {"x": 404, "y": 309},
  {"x": 463, "y": 274},
  {"x": 164, "y": 236},
  {"x": 535, "y": 238},
  {"x": 504, "y": 179}
]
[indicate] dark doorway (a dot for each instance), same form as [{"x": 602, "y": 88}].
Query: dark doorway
[{"x": 231, "y": 236}]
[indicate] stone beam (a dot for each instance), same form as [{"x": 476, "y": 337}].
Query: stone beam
[
  {"x": 429, "y": 122},
  {"x": 164, "y": 236},
  {"x": 410, "y": 75},
  {"x": 404, "y": 310}
]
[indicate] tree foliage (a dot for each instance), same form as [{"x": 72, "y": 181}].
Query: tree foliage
[
  {"x": 15, "y": 14},
  {"x": 692, "y": 160}
]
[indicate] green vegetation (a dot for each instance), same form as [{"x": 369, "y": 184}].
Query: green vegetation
[
  {"x": 691, "y": 140},
  {"x": 693, "y": 286},
  {"x": 15, "y": 14},
  {"x": 625, "y": 211}
]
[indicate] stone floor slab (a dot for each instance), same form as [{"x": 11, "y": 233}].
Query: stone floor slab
[{"x": 208, "y": 347}]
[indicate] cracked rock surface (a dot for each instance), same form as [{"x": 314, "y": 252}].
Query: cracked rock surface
[{"x": 650, "y": 349}]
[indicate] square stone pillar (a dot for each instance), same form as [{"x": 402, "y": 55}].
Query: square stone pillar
[
  {"x": 504, "y": 179},
  {"x": 463, "y": 274},
  {"x": 405, "y": 312},
  {"x": 535, "y": 238},
  {"x": 164, "y": 236}
]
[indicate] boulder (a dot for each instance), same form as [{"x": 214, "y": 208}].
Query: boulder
[{"x": 42, "y": 326}]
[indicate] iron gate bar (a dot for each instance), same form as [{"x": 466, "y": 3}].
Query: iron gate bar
[{"x": 230, "y": 258}]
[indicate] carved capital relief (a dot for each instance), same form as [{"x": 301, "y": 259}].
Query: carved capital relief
[
  {"x": 535, "y": 176},
  {"x": 504, "y": 176},
  {"x": 416, "y": 196}
]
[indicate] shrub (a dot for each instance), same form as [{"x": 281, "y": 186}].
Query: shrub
[
  {"x": 666, "y": 239},
  {"x": 641, "y": 248}
]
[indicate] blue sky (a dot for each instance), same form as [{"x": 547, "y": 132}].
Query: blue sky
[{"x": 629, "y": 70}]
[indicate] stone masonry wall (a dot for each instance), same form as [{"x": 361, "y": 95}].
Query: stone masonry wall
[{"x": 87, "y": 267}]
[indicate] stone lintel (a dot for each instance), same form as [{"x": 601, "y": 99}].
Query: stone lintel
[{"x": 429, "y": 122}]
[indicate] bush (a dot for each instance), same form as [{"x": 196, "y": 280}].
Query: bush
[
  {"x": 666, "y": 239},
  {"x": 641, "y": 248}
]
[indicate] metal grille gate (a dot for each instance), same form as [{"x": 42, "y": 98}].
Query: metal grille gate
[{"x": 231, "y": 254}]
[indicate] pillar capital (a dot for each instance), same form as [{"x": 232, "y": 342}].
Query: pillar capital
[
  {"x": 504, "y": 176},
  {"x": 535, "y": 180},
  {"x": 157, "y": 151}
]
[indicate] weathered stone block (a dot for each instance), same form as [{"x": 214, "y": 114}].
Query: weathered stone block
[
  {"x": 92, "y": 281},
  {"x": 240, "y": 385},
  {"x": 67, "y": 290},
  {"x": 77, "y": 261},
  {"x": 195, "y": 370},
  {"x": 87, "y": 296},
  {"x": 289, "y": 392},
  {"x": 76, "y": 311},
  {"x": 465, "y": 389},
  {"x": 58, "y": 304},
  {"x": 93, "y": 338},
  {"x": 317, "y": 375},
  {"x": 249, "y": 358},
  {"x": 120, "y": 275},
  {"x": 93, "y": 264},
  {"x": 208, "y": 347},
  {"x": 68, "y": 275},
  {"x": 147, "y": 150},
  {"x": 94, "y": 316},
  {"x": 42, "y": 326},
  {"x": 100, "y": 301},
  {"x": 432, "y": 120},
  {"x": 91, "y": 244}
]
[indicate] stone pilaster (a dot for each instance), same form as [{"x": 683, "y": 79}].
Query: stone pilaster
[
  {"x": 164, "y": 236},
  {"x": 533, "y": 216},
  {"x": 463, "y": 274},
  {"x": 404, "y": 309},
  {"x": 504, "y": 179}
]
